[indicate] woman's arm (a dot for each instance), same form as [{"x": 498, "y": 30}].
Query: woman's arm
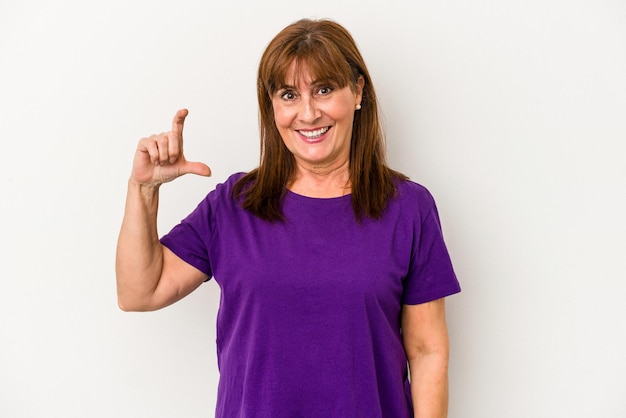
[
  {"x": 149, "y": 276},
  {"x": 426, "y": 344}
]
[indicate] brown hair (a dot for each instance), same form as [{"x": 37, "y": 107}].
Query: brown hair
[{"x": 330, "y": 53}]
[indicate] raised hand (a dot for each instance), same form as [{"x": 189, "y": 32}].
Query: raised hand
[{"x": 160, "y": 158}]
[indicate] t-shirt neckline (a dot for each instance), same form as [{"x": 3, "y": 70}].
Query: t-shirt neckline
[{"x": 302, "y": 197}]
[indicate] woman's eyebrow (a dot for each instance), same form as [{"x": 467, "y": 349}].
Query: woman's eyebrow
[
  {"x": 286, "y": 87},
  {"x": 313, "y": 84}
]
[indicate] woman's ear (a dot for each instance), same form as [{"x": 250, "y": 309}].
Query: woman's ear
[{"x": 358, "y": 88}]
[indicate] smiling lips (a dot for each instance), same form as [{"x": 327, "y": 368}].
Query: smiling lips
[{"x": 314, "y": 134}]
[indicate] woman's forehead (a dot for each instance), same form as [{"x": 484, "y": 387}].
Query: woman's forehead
[
  {"x": 303, "y": 73},
  {"x": 298, "y": 73}
]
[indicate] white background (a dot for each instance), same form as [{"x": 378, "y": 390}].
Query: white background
[{"x": 513, "y": 114}]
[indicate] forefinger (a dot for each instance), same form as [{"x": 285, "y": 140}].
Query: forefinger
[{"x": 179, "y": 122}]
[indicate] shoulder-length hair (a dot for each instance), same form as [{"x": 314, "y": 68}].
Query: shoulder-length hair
[{"x": 330, "y": 53}]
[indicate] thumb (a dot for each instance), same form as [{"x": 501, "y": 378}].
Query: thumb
[{"x": 197, "y": 168}]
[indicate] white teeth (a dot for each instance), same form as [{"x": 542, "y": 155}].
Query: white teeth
[{"x": 314, "y": 134}]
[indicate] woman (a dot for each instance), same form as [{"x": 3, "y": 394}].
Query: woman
[{"x": 332, "y": 267}]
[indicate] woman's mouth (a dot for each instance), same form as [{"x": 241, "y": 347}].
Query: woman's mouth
[{"x": 314, "y": 134}]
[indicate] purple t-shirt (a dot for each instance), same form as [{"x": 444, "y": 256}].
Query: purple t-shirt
[{"x": 309, "y": 317}]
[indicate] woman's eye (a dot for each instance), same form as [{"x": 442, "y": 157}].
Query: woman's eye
[
  {"x": 324, "y": 91},
  {"x": 288, "y": 95}
]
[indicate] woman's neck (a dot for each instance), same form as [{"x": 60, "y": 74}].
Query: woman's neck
[{"x": 321, "y": 182}]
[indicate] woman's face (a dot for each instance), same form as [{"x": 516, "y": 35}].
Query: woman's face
[{"x": 315, "y": 120}]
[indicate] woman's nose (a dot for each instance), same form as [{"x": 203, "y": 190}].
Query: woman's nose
[{"x": 308, "y": 110}]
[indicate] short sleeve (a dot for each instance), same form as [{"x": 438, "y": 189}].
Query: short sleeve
[
  {"x": 431, "y": 274},
  {"x": 190, "y": 239}
]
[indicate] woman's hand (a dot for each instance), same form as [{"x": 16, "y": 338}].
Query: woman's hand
[
  {"x": 149, "y": 276},
  {"x": 160, "y": 158}
]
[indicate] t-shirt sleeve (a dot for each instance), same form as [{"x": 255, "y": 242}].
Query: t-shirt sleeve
[
  {"x": 431, "y": 274},
  {"x": 190, "y": 239}
]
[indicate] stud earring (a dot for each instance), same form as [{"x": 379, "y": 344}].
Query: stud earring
[{"x": 358, "y": 107}]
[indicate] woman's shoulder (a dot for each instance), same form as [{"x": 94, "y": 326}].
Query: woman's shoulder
[
  {"x": 222, "y": 192},
  {"x": 225, "y": 187},
  {"x": 411, "y": 191},
  {"x": 233, "y": 179},
  {"x": 413, "y": 201}
]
